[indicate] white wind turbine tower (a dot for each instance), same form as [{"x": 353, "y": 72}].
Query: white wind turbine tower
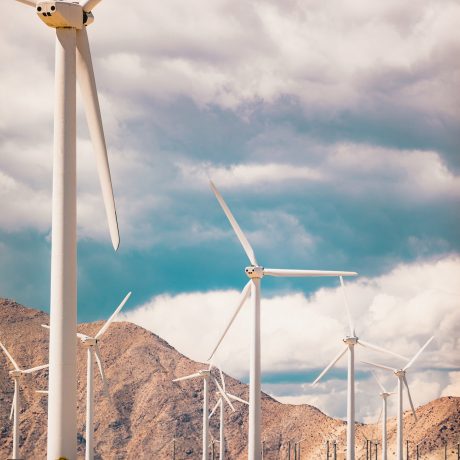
[
  {"x": 92, "y": 346},
  {"x": 402, "y": 381},
  {"x": 205, "y": 374},
  {"x": 255, "y": 273},
  {"x": 72, "y": 61},
  {"x": 383, "y": 415},
  {"x": 220, "y": 405},
  {"x": 16, "y": 373},
  {"x": 350, "y": 342}
]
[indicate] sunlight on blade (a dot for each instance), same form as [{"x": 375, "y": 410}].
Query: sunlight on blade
[
  {"x": 239, "y": 233},
  {"x": 85, "y": 77},
  {"x": 114, "y": 314}
]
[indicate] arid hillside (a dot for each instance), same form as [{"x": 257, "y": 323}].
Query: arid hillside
[{"x": 148, "y": 410}]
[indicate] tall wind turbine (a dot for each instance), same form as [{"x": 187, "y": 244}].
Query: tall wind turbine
[
  {"x": 220, "y": 405},
  {"x": 402, "y": 381},
  {"x": 383, "y": 415},
  {"x": 255, "y": 273},
  {"x": 16, "y": 373},
  {"x": 72, "y": 62},
  {"x": 92, "y": 346},
  {"x": 350, "y": 342}
]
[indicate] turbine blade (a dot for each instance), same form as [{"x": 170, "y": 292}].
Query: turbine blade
[
  {"x": 187, "y": 377},
  {"x": 380, "y": 365},
  {"x": 101, "y": 371},
  {"x": 42, "y": 392},
  {"x": 89, "y": 5},
  {"x": 243, "y": 296},
  {"x": 114, "y": 314},
  {"x": 85, "y": 76},
  {"x": 382, "y": 350},
  {"x": 83, "y": 336},
  {"x": 236, "y": 228},
  {"x": 236, "y": 398},
  {"x": 409, "y": 364},
  {"x": 13, "y": 403},
  {"x": 345, "y": 299},
  {"x": 46, "y": 326},
  {"x": 9, "y": 357},
  {"x": 28, "y": 3},
  {"x": 35, "y": 369},
  {"x": 330, "y": 365},
  {"x": 222, "y": 380},
  {"x": 215, "y": 408},
  {"x": 378, "y": 381},
  {"x": 410, "y": 397},
  {"x": 224, "y": 395},
  {"x": 304, "y": 273},
  {"x": 380, "y": 416}
]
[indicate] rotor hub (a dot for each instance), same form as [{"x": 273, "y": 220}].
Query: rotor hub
[
  {"x": 89, "y": 342},
  {"x": 254, "y": 271},
  {"x": 400, "y": 373},
  {"x": 15, "y": 373},
  {"x": 351, "y": 340}
]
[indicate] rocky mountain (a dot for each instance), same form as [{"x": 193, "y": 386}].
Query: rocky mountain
[{"x": 149, "y": 410}]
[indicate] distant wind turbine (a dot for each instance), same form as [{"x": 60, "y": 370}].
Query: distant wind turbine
[
  {"x": 15, "y": 374},
  {"x": 255, "y": 273},
  {"x": 402, "y": 381},
  {"x": 220, "y": 404},
  {"x": 72, "y": 61},
  {"x": 92, "y": 345},
  {"x": 350, "y": 342},
  {"x": 383, "y": 415}
]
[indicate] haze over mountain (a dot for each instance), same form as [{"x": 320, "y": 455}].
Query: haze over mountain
[{"x": 149, "y": 410}]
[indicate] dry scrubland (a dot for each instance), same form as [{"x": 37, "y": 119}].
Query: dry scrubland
[{"x": 149, "y": 409}]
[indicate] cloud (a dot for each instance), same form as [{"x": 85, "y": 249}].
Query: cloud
[{"x": 398, "y": 310}]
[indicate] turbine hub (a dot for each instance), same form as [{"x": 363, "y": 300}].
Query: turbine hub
[
  {"x": 60, "y": 14},
  {"x": 89, "y": 342},
  {"x": 15, "y": 373},
  {"x": 351, "y": 340},
  {"x": 254, "y": 271},
  {"x": 205, "y": 373},
  {"x": 400, "y": 373}
]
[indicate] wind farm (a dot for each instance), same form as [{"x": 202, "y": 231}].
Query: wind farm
[{"x": 314, "y": 136}]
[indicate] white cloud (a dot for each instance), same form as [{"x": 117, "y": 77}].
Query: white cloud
[{"x": 398, "y": 310}]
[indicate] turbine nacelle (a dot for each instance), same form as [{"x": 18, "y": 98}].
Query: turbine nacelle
[
  {"x": 88, "y": 341},
  {"x": 59, "y": 14},
  {"x": 254, "y": 271},
  {"x": 400, "y": 373},
  {"x": 15, "y": 373},
  {"x": 350, "y": 340}
]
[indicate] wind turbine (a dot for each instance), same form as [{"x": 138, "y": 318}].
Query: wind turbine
[
  {"x": 402, "y": 381},
  {"x": 220, "y": 404},
  {"x": 255, "y": 273},
  {"x": 350, "y": 342},
  {"x": 92, "y": 346},
  {"x": 15, "y": 374},
  {"x": 72, "y": 61},
  {"x": 383, "y": 415},
  {"x": 205, "y": 374}
]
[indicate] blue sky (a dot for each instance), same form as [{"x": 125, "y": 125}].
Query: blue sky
[{"x": 331, "y": 130}]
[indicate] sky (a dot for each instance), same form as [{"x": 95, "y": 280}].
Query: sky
[{"x": 331, "y": 129}]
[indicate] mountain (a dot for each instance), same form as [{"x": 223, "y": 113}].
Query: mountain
[{"x": 148, "y": 409}]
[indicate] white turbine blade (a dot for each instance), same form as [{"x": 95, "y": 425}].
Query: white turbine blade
[
  {"x": 382, "y": 350},
  {"x": 42, "y": 392},
  {"x": 345, "y": 299},
  {"x": 239, "y": 233},
  {"x": 409, "y": 364},
  {"x": 236, "y": 398},
  {"x": 89, "y": 5},
  {"x": 28, "y": 3},
  {"x": 380, "y": 416},
  {"x": 243, "y": 296},
  {"x": 35, "y": 369},
  {"x": 9, "y": 357},
  {"x": 115, "y": 313},
  {"x": 46, "y": 326},
  {"x": 330, "y": 365},
  {"x": 188, "y": 377},
  {"x": 304, "y": 273},
  {"x": 13, "y": 403},
  {"x": 101, "y": 370},
  {"x": 410, "y": 397},
  {"x": 83, "y": 336},
  {"x": 379, "y": 382},
  {"x": 224, "y": 395},
  {"x": 222, "y": 380},
  {"x": 215, "y": 408},
  {"x": 85, "y": 76},
  {"x": 380, "y": 365}
]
